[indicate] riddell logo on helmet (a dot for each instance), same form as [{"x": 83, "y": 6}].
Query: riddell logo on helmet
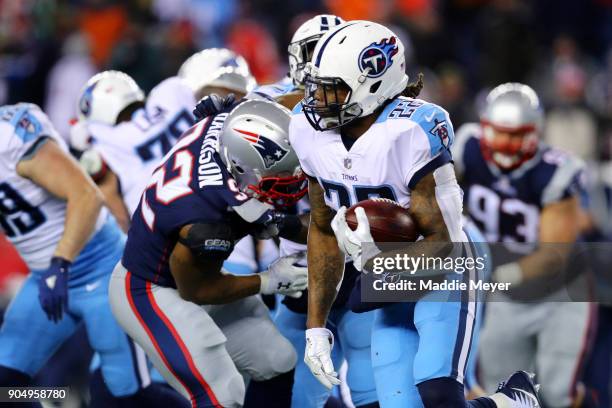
[
  {"x": 270, "y": 151},
  {"x": 377, "y": 57}
]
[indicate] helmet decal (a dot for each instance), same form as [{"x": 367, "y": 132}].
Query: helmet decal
[
  {"x": 378, "y": 57},
  {"x": 269, "y": 151},
  {"x": 85, "y": 101}
]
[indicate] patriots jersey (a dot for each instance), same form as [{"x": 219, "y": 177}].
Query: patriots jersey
[
  {"x": 134, "y": 149},
  {"x": 191, "y": 185},
  {"x": 410, "y": 138},
  {"x": 31, "y": 218},
  {"x": 272, "y": 91},
  {"x": 506, "y": 206}
]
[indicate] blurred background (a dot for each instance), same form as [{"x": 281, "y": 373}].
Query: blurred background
[{"x": 562, "y": 48}]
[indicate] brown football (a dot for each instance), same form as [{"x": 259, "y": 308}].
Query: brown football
[{"x": 389, "y": 221}]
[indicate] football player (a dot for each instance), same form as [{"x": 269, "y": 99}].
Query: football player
[
  {"x": 124, "y": 137},
  {"x": 360, "y": 133},
  {"x": 52, "y": 213},
  {"x": 169, "y": 291},
  {"x": 352, "y": 329},
  {"x": 289, "y": 90},
  {"x": 520, "y": 191}
]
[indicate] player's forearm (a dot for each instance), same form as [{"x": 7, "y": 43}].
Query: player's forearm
[
  {"x": 325, "y": 268},
  {"x": 82, "y": 210},
  {"x": 114, "y": 201},
  {"x": 548, "y": 260},
  {"x": 224, "y": 289}
]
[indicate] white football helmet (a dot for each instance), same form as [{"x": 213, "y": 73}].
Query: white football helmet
[
  {"x": 105, "y": 95},
  {"x": 218, "y": 67},
  {"x": 254, "y": 145},
  {"x": 514, "y": 109},
  {"x": 304, "y": 41},
  {"x": 363, "y": 57}
]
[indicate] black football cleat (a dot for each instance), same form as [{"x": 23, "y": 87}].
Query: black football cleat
[{"x": 521, "y": 388}]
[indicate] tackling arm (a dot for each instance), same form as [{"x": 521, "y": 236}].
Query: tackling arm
[
  {"x": 559, "y": 224},
  {"x": 200, "y": 280},
  {"x": 55, "y": 171}
]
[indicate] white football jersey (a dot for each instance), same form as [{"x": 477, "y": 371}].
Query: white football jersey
[
  {"x": 31, "y": 218},
  {"x": 134, "y": 149},
  {"x": 409, "y": 139}
]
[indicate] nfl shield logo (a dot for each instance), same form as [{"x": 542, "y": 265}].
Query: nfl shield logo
[{"x": 348, "y": 163}]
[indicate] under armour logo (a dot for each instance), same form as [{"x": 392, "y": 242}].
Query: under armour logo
[{"x": 283, "y": 286}]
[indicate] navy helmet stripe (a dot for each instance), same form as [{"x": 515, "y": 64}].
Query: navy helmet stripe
[{"x": 320, "y": 54}]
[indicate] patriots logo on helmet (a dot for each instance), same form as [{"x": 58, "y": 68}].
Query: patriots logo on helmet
[
  {"x": 85, "y": 101},
  {"x": 378, "y": 57},
  {"x": 270, "y": 151}
]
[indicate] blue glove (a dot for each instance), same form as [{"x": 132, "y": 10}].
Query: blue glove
[
  {"x": 211, "y": 105},
  {"x": 53, "y": 288}
]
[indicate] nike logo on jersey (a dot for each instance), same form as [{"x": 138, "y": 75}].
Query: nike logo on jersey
[
  {"x": 430, "y": 117},
  {"x": 90, "y": 287}
]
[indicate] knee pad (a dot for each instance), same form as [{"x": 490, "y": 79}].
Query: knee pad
[
  {"x": 13, "y": 378},
  {"x": 442, "y": 393}
]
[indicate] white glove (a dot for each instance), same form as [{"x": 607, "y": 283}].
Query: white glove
[
  {"x": 350, "y": 242},
  {"x": 79, "y": 135},
  {"x": 284, "y": 277},
  {"x": 91, "y": 161},
  {"x": 319, "y": 344}
]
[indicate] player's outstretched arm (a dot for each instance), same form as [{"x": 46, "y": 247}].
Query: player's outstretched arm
[
  {"x": 559, "y": 225},
  {"x": 109, "y": 186},
  {"x": 325, "y": 260},
  {"x": 196, "y": 261},
  {"x": 55, "y": 171}
]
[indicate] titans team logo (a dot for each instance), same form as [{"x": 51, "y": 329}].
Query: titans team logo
[
  {"x": 85, "y": 102},
  {"x": 440, "y": 129},
  {"x": 378, "y": 57},
  {"x": 270, "y": 151}
]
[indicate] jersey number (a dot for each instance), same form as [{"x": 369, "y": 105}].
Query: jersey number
[
  {"x": 339, "y": 193},
  {"x": 17, "y": 216},
  {"x": 167, "y": 191},
  {"x": 165, "y": 139},
  {"x": 486, "y": 207}
]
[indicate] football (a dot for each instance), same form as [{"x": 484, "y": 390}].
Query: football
[{"x": 389, "y": 221}]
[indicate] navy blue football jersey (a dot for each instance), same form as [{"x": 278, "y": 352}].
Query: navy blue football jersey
[
  {"x": 191, "y": 185},
  {"x": 507, "y": 206}
]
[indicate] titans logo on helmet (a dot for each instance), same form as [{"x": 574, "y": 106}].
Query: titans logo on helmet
[
  {"x": 378, "y": 57},
  {"x": 85, "y": 102},
  {"x": 269, "y": 151}
]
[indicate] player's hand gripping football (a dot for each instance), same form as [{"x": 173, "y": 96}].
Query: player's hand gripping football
[
  {"x": 351, "y": 242},
  {"x": 53, "y": 289},
  {"x": 284, "y": 276},
  {"x": 319, "y": 344}
]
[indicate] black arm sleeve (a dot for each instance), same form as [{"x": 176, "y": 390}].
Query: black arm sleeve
[{"x": 209, "y": 241}]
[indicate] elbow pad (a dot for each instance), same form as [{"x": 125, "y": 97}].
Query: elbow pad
[{"x": 209, "y": 241}]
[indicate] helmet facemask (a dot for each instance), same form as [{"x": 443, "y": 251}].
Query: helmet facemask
[
  {"x": 300, "y": 52},
  {"x": 329, "y": 113},
  {"x": 281, "y": 192},
  {"x": 511, "y": 152}
]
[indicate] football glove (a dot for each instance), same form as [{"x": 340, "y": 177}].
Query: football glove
[
  {"x": 351, "y": 242},
  {"x": 53, "y": 288},
  {"x": 319, "y": 344},
  {"x": 284, "y": 277}
]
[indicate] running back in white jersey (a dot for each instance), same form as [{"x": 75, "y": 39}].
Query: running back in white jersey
[
  {"x": 134, "y": 149},
  {"x": 31, "y": 218},
  {"x": 409, "y": 139}
]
